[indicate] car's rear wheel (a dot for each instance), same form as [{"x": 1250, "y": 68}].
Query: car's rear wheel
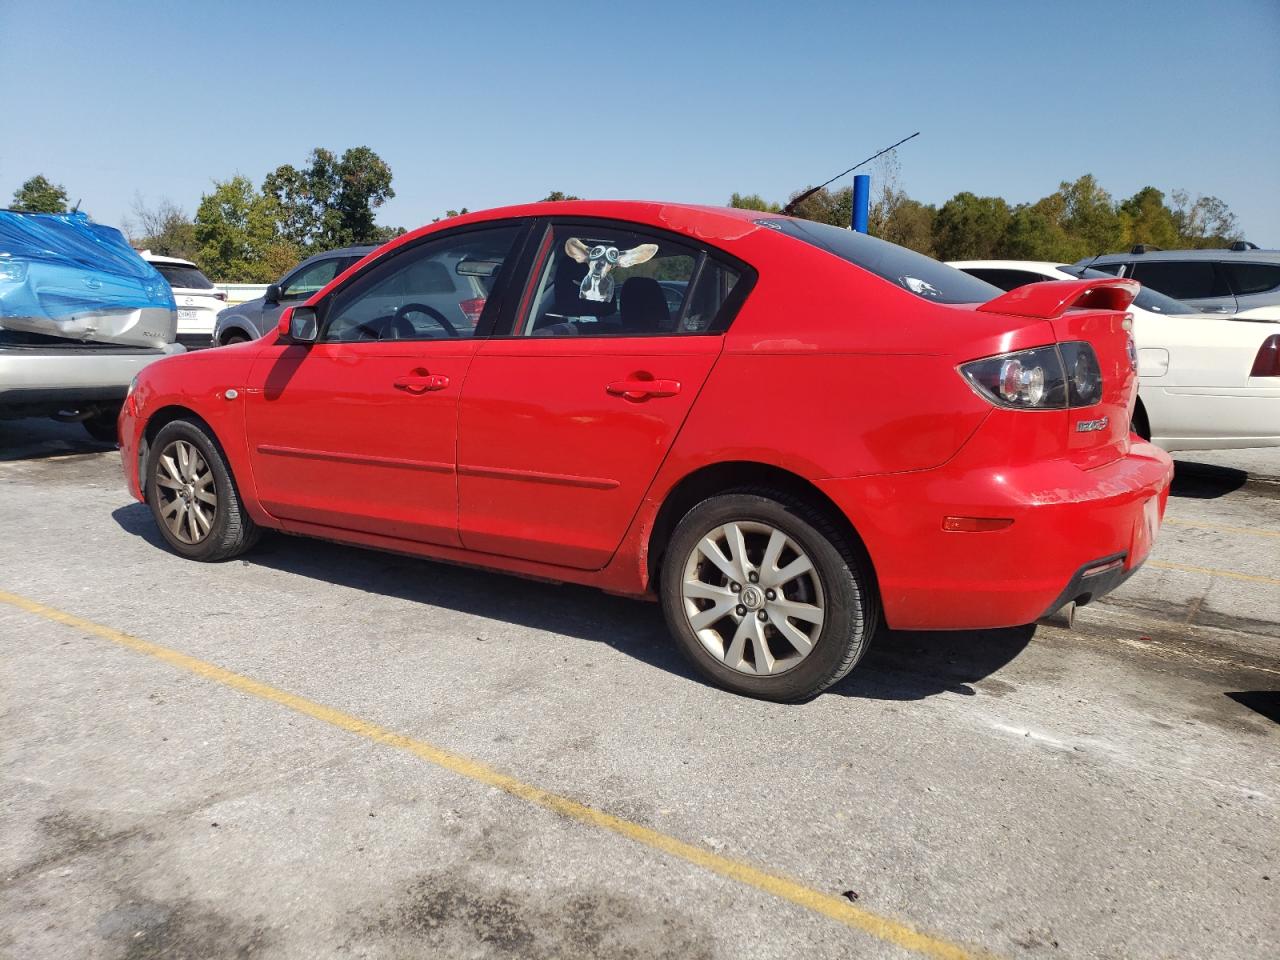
[
  {"x": 234, "y": 338},
  {"x": 193, "y": 497},
  {"x": 766, "y": 596}
]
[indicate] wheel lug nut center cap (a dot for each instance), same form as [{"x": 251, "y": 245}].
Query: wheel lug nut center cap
[{"x": 752, "y": 598}]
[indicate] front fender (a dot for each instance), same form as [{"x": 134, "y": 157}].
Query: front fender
[{"x": 212, "y": 385}]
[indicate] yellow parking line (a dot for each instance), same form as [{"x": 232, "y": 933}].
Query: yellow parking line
[
  {"x": 836, "y": 908},
  {"x": 1188, "y": 568},
  {"x": 1211, "y": 526}
]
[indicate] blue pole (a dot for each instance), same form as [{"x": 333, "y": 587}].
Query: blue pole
[{"x": 861, "y": 201}]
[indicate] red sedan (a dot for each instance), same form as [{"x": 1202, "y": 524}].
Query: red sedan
[{"x": 787, "y": 432}]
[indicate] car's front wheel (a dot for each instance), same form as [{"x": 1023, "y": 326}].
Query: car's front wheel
[
  {"x": 766, "y": 595},
  {"x": 193, "y": 497}
]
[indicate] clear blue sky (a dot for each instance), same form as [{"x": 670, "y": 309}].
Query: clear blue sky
[{"x": 487, "y": 103}]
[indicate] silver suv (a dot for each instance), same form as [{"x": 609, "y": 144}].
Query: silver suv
[
  {"x": 1237, "y": 280},
  {"x": 250, "y": 320}
]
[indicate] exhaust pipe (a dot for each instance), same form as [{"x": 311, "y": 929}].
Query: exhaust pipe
[{"x": 1062, "y": 618}]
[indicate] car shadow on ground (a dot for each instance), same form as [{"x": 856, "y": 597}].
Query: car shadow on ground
[
  {"x": 1263, "y": 702},
  {"x": 1205, "y": 481},
  {"x": 40, "y": 439},
  {"x": 899, "y": 665}
]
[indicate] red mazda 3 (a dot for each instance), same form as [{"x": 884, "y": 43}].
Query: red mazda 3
[{"x": 787, "y": 432}]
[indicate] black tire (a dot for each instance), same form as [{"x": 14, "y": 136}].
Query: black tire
[
  {"x": 102, "y": 425},
  {"x": 234, "y": 338},
  {"x": 851, "y": 605},
  {"x": 232, "y": 531},
  {"x": 1140, "y": 424}
]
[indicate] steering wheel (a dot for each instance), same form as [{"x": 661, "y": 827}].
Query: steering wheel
[{"x": 431, "y": 312}]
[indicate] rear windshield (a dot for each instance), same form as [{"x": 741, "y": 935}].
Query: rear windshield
[
  {"x": 181, "y": 276},
  {"x": 923, "y": 276},
  {"x": 1147, "y": 299}
]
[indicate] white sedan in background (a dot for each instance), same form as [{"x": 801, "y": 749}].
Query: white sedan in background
[{"x": 1205, "y": 381}]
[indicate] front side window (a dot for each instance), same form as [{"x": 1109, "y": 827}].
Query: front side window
[
  {"x": 437, "y": 289},
  {"x": 1182, "y": 279},
  {"x": 1147, "y": 299},
  {"x": 313, "y": 277},
  {"x": 599, "y": 280},
  {"x": 921, "y": 275}
]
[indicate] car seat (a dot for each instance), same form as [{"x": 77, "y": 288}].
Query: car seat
[{"x": 644, "y": 306}]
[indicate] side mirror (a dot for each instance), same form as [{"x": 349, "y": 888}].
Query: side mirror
[
  {"x": 298, "y": 325},
  {"x": 273, "y": 293}
]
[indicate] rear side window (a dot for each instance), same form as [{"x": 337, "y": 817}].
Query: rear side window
[
  {"x": 1253, "y": 277},
  {"x": 1004, "y": 279},
  {"x": 605, "y": 280},
  {"x": 1182, "y": 279},
  {"x": 181, "y": 276},
  {"x": 923, "y": 276},
  {"x": 1111, "y": 268}
]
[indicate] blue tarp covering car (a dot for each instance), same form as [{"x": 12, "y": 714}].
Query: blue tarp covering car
[
  {"x": 80, "y": 314},
  {"x": 64, "y": 276}
]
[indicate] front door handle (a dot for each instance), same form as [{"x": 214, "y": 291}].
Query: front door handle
[
  {"x": 642, "y": 389},
  {"x": 422, "y": 384}
]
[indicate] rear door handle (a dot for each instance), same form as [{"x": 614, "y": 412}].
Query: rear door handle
[
  {"x": 641, "y": 389},
  {"x": 423, "y": 384}
]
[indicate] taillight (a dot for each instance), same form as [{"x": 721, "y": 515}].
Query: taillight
[
  {"x": 1046, "y": 378},
  {"x": 1267, "y": 362},
  {"x": 471, "y": 309}
]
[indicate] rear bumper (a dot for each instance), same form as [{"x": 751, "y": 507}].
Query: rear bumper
[
  {"x": 64, "y": 377},
  {"x": 1067, "y": 521}
]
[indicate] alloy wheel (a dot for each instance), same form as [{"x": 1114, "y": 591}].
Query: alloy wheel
[
  {"x": 753, "y": 598},
  {"x": 187, "y": 491}
]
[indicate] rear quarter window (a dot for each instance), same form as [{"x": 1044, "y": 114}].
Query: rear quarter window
[
  {"x": 923, "y": 276},
  {"x": 183, "y": 277},
  {"x": 1249, "y": 278}
]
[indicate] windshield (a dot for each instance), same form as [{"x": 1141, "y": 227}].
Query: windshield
[
  {"x": 180, "y": 275},
  {"x": 921, "y": 275},
  {"x": 1147, "y": 299}
]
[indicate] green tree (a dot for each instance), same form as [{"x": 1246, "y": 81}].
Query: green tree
[
  {"x": 1149, "y": 219},
  {"x": 753, "y": 201},
  {"x": 331, "y": 201},
  {"x": 237, "y": 230},
  {"x": 1090, "y": 217},
  {"x": 969, "y": 227},
  {"x": 40, "y": 195},
  {"x": 557, "y": 195},
  {"x": 1035, "y": 232},
  {"x": 908, "y": 223},
  {"x": 450, "y": 213}
]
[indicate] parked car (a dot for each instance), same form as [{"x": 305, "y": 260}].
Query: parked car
[
  {"x": 783, "y": 473},
  {"x": 198, "y": 300},
  {"x": 253, "y": 318},
  {"x": 1242, "y": 280},
  {"x": 1206, "y": 381},
  {"x": 80, "y": 314}
]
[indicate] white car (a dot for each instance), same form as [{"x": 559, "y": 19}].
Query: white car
[
  {"x": 1205, "y": 381},
  {"x": 197, "y": 299}
]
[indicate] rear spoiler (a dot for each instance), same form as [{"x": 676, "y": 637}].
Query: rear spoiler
[{"x": 1050, "y": 299}]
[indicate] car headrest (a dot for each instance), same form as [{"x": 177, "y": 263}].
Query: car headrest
[{"x": 644, "y": 308}]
